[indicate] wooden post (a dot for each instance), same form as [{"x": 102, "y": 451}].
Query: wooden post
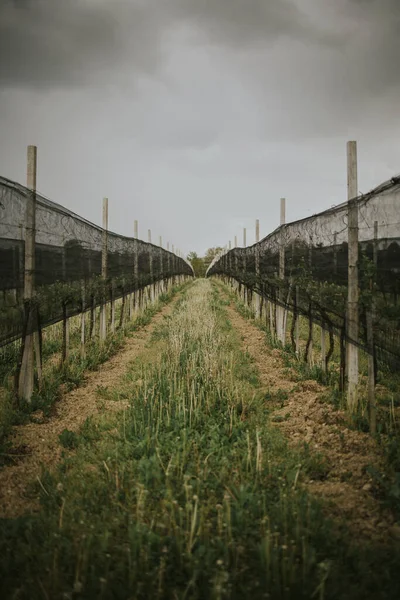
[
  {"x": 104, "y": 251},
  {"x": 244, "y": 266},
  {"x": 169, "y": 280},
  {"x": 26, "y": 374},
  {"x": 352, "y": 298},
  {"x": 280, "y": 308},
  {"x": 151, "y": 287},
  {"x": 136, "y": 266},
  {"x": 370, "y": 341},
  {"x": 112, "y": 309},
  {"x": 162, "y": 278},
  {"x": 257, "y": 268},
  {"x": 297, "y": 330},
  {"x": 310, "y": 341}
]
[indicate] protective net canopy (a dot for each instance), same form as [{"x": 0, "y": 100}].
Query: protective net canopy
[
  {"x": 303, "y": 266},
  {"x": 68, "y": 260}
]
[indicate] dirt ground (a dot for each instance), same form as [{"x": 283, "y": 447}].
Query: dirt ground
[
  {"x": 38, "y": 441},
  {"x": 305, "y": 416}
]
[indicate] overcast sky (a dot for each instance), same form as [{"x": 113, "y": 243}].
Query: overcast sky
[{"x": 196, "y": 116}]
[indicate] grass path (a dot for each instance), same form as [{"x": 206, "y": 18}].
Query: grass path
[{"x": 188, "y": 491}]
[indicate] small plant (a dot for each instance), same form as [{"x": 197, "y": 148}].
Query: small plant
[{"x": 68, "y": 439}]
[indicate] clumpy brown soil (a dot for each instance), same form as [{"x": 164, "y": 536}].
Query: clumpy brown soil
[
  {"x": 36, "y": 444},
  {"x": 305, "y": 417}
]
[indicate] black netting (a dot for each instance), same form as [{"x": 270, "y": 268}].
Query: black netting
[
  {"x": 314, "y": 252},
  {"x": 68, "y": 263}
]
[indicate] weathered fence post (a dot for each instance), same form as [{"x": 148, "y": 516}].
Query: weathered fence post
[
  {"x": 280, "y": 310},
  {"x": 27, "y": 371},
  {"x": 244, "y": 265},
  {"x": 104, "y": 252},
  {"x": 257, "y": 269},
  {"x": 297, "y": 330},
  {"x": 161, "y": 280},
  {"x": 136, "y": 266},
  {"x": 236, "y": 283},
  {"x": 370, "y": 340},
  {"x": 173, "y": 264},
  {"x": 151, "y": 287},
  {"x": 168, "y": 268},
  {"x": 352, "y": 298}
]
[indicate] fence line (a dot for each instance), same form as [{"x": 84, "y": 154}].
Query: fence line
[
  {"x": 55, "y": 264},
  {"x": 340, "y": 269}
]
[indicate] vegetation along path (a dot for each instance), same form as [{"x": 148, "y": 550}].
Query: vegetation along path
[
  {"x": 189, "y": 490},
  {"x": 36, "y": 445}
]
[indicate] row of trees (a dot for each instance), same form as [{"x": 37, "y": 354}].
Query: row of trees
[{"x": 200, "y": 264}]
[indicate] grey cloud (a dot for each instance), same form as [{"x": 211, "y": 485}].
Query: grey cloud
[
  {"x": 372, "y": 46},
  {"x": 61, "y": 42},
  {"x": 47, "y": 43},
  {"x": 248, "y": 22}
]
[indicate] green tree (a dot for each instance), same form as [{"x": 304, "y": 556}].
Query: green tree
[
  {"x": 210, "y": 255},
  {"x": 197, "y": 264}
]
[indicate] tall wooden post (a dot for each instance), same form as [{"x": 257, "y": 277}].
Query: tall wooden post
[
  {"x": 27, "y": 372},
  {"x": 370, "y": 340},
  {"x": 162, "y": 275},
  {"x": 236, "y": 265},
  {"x": 352, "y": 297},
  {"x": 280, "y": 308},
  {"x": 244, "y": 265},
  {"x": 257, "y": 303},
  {"x": 151, "y": 287},
  {"x": 168, "y": 273},
  {"x": 104, "y": 252},
  {"x": 136, "y": 266},
  {"x": 310, "y": 341},
  {"x": 297, "y": 329}
]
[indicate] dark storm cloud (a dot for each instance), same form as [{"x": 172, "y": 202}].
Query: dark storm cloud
[
  {"x": 48, "y": 43},
  {"x": 45, "y": 43},
  {"x": 376, "y": 43},
  {"x": 245, "y": 22},
  {"x": 53, "y": 42}
]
